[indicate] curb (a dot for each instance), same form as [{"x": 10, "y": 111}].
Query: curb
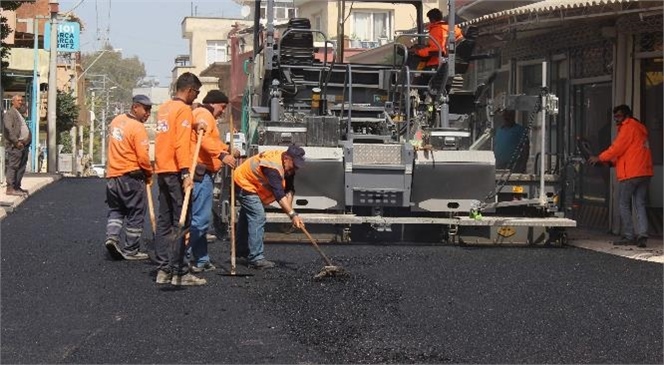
[{"x": 8, "y": 205}]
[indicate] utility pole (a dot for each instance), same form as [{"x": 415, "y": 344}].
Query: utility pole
[
  {"x": 34, "y": 111},
  {"x": 92, "y": 129},
  {"x": 52, "y": 90}
]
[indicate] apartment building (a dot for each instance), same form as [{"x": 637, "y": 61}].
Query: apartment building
[{"x": 208, "y": 45}]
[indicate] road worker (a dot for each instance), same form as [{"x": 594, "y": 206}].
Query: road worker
[
  {"x": 173, "y": 157},
  {"x": 261, "y": 180},
  {"x": 128, "y": 171},
  {"x": 212, "y": 154},
  {"x": 631, "y": 155},
  {"x": 511, "y": 144},
  {"x": 438, "y": 34}
]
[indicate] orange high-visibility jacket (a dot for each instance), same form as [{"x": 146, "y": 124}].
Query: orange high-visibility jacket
[
  {"x": 250, "y": 177},
  {"x": 211, "y": 145},
  {"x": 630, "y": 151},
  {"x": 128, "y": 146},
  {"x": 439, "y": 32},
  {"x": 172, "y": 144}
]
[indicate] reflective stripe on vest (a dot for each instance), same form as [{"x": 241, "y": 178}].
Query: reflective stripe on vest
[{"x": 269, "y": 159}]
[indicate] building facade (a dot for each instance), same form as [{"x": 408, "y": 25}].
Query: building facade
[{"x": 597, "y": 55}]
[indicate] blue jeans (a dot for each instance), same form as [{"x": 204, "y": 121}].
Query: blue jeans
[
  {"x": 201, "y": 214},
  {"x": 633, "y": 191},
  {"x": 250, "y": 227}
]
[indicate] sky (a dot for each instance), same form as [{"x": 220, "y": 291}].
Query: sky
[{"x": 148, "y": 29}]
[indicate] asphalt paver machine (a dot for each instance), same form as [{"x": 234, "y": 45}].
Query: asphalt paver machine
[{"x": 395, "y": 150}]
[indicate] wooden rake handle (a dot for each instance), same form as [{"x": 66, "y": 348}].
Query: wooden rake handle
[
  {"x": 313, "y": 242},
  {"x": 187, "y": 194}
]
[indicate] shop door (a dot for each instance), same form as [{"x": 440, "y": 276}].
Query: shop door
[{"x": 592, "y": 119}]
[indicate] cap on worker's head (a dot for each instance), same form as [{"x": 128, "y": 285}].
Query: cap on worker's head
[
  {"x": 297, "y": 154},
  {"x": 141, "y": 99},
  {"x": 215, "y": 97}
]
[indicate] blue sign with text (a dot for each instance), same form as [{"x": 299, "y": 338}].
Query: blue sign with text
[{"x": 69, "y": 34}]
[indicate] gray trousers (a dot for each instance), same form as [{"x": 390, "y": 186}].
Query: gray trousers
[
  {"x": 169, "y": 249},
  {"x": 633, "y": 192},
  {"x": 15, "y": 162},
  {"x": 125, "y": 197}
]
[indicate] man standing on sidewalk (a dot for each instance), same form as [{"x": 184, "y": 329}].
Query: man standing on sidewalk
[
  {"x": 630, "y": 153},
  {"x": 17, "y": 140},
  {"x": 128, "y": 171},
  {"x": 173, "y": 157},
  {"x": 213, "y": 152}
]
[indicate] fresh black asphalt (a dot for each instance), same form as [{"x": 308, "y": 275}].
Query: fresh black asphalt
[{"x": 64, "y": 301}]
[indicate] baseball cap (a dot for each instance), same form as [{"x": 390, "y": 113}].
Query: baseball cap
[
  {"x": 297, "y": 154},
  {"x": 141, "y": 99}
]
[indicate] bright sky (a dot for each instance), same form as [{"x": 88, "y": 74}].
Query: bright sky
[{"x": 149, "y": 29}]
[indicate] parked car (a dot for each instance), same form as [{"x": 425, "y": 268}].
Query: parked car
[{"x": 99, "y": 169}]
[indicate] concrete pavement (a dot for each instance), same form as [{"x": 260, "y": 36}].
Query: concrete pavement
[
  {"x": 578, "y": 237},
  {"x": 32, "y": 182}
]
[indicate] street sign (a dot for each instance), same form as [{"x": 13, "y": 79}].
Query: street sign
[{"x": 68, "y": 37}]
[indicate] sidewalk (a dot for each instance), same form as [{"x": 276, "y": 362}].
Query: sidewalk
[
  {"x": 602, "y": 242},
  {"x": 32, "y": 182}
]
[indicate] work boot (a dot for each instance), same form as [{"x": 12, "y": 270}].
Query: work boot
[
  {"x": 113, "y": 249},
  {"x": 641, "y": 241},
  {"x": 12, "y": 192},
  {"x": 163, "y": 277},
  {"x": 22, "y": 191},
  {"x": 203, "y": 268},
  {"x": 135, "y": 257},
  {"x": 261, "y": 264},
  {"x": 624, "y": 241},
  {"x": 187, "y": 280}
]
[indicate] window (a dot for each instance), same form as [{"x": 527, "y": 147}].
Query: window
[
  {"x": 216, "y": 52},
  {"x": 318, "y": 23},
  {"x": 371, "y": 26},
  {"x": 282, "y": 11}
]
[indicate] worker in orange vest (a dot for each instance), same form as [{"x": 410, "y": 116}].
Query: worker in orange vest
[
  {"x": 630, "y": 154},
  {"x": 128, "y": 171},
  {"x": 173, "y": 157},
  {"x": 261, "y": 180},
  {"x": 213, "y": 153},
  {"x": 427, "y": 56}
]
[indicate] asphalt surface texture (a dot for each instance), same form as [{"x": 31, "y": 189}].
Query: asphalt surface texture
[{"x": 64, "y": 301}]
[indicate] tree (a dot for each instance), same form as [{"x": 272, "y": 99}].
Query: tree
[
  {"x": 122, "y": 73},
  {"x": 5, "y": 31},
  {"x": 66, "y": 115}
]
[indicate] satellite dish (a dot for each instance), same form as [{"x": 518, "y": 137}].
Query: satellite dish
[{"x": 245, "y": 11}]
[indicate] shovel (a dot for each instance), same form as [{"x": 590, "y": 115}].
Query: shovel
[
  {"x": 187, "y": 194},
  {"x": 329, "y": 270}
]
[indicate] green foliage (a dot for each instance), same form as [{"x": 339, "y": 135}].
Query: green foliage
[
  {"x": 64, "y": 138},
  {"x": 122, "y": 75},
  {"x": 66, "y": 113},
  {"x": 5, "y": 31}
]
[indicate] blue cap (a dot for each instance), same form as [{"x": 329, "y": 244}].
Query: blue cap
[
  {"x": 297, "y": 154},
  {"x": 141, "y": 99}
]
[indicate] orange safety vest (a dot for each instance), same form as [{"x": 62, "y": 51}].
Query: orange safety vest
[
  {"x": 211, "y": 145},
  {"x": 438, "y": 31},
  {"x": 249, "y": 175},
  {"x": 128, "y": 146},
  {"x": 630, "y": 151}
]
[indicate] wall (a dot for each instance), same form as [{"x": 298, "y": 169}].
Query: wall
[{"x": 199, "y": 30}]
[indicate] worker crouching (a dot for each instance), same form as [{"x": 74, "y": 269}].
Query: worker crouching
[{"x": 259, "y": 181}]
